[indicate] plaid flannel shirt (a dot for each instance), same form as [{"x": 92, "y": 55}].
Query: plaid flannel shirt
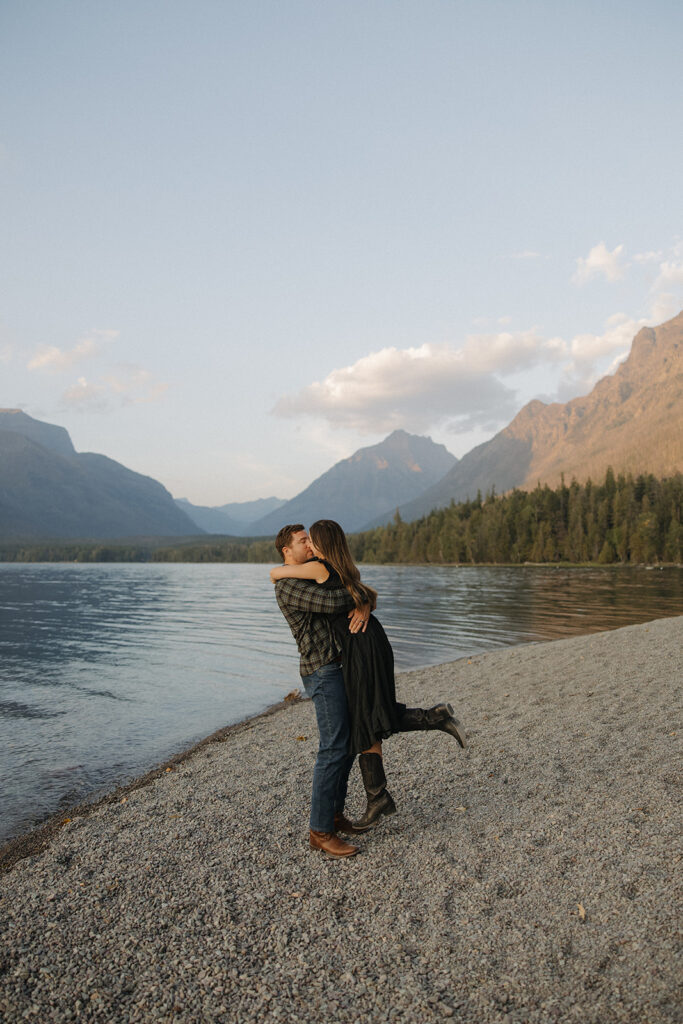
[{"x": 307, "y": 607}]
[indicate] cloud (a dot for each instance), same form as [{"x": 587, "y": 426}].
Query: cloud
[
  {"x": 586, "y": 353},
  {"x": 134, "y": 385},
  {"x": 667, "y": 288},
  {"x": 600, "y": 261},
  {"x": 55, "y": 360},
  {"x": 647, "y": 257},
  {"x": 417, "y": 388},
  {"x": 126, "y": 385},
  {"x": 665, "y": 305},
  {"x": 6, "y": 353},
  {"x": 84, "y": 395},
  {"x": 461, "y": 389},
  {"x": 670, "y": 273}
]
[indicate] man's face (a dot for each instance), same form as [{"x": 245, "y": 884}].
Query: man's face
[{"x": 298, "y": 550}]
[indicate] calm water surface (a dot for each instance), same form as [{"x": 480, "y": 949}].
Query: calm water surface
[{"x": 106, "y": 670}]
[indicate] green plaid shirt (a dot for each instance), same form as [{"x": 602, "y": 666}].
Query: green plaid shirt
[{"x": 307, "y": 606}]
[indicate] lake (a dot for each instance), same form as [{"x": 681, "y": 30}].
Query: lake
[{"x": 106, "y": 670}]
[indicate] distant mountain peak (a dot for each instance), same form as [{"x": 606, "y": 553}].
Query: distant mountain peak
[
  {"x": 632, "y": 421},
  {"x": 51, "y": 491},
  {"x": 47, "y": 435},
  {"x": 359, "y": 487}
]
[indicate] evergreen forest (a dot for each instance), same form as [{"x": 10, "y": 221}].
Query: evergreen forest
[{"x": 623, "y": 520}]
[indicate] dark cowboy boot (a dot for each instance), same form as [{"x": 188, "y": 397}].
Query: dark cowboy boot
[
  {"x": 375, "y": 782},
  {"x": 439, "y": 717}
]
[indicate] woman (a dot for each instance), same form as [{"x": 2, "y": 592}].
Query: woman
[{"x": 368, "y": 667}]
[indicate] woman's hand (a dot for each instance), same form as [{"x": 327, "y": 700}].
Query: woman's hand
[{"x": 358, "y": 619}]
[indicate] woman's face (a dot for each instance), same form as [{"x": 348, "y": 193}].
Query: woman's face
[{"x": 317, "y": 553}]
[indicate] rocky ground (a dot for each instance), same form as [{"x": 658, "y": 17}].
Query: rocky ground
[{"x": 533, "y": 877}]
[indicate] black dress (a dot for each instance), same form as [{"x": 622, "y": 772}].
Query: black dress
[{"x": 368, "y": 667}]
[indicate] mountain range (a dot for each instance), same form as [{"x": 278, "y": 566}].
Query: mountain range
[
  {"x": 48, "y": 490},
  {"x": 354, "y": 491},
  {"x": 234, "y": 519},
  {"x": 371, "y": 480},
  {"x": 632, "y": 421}
]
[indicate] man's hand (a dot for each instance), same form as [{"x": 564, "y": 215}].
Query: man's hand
[{"x": 358, "y": 619}]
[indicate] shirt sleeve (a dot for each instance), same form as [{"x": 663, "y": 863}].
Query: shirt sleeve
[{"x": 303, "y": 596}]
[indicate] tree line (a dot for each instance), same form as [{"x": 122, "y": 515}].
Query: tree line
[
  {"x": 213, "y": 550},
  {"x": 623, "y": 520}
]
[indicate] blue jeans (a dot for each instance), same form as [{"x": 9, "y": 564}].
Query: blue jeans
[{"x": 325, "y": 687}]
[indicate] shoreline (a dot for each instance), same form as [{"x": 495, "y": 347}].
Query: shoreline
[
  {"x": 411, "y": 565},
  {"x": 530, "y": 879},
  {"x": 39, "y": 836}
]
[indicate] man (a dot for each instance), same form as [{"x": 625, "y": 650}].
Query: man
[{"x": 306, "y": 607}]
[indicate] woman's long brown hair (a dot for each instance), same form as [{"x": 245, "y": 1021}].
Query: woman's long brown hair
[{"x": 330, "y": 540}]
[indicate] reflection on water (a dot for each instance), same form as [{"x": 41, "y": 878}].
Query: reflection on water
[
  {"x": 434, "y": 614},
  {"x": 107, "y": 669}
]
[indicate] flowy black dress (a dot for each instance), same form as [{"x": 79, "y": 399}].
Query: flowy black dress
[{"x": 368, "y": 667}]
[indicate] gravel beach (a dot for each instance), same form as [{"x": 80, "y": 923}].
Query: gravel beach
[{"x": 535, "y": 876}]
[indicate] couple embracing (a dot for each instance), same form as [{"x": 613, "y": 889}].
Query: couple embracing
[{"x": 347, "y": 668}]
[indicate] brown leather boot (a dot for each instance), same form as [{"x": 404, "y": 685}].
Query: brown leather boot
[
  {"x": 350, "y": 828},
  {"x": 331, "y": 844}
]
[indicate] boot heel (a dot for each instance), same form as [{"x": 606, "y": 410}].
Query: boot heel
[
  {"x": 390, "y": 807},
  {"x": 380, "y": 800}
]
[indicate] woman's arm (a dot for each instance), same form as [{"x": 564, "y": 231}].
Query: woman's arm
[{"x": 307, "y": 571}]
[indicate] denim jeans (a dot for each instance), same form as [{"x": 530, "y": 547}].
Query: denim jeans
[{"x": 325, "y": 687}]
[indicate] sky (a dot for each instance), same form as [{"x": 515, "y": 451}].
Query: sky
[{"x": 243, "y": 238}]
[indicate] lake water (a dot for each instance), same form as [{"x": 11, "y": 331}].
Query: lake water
[{"x": 106, "y": 670}]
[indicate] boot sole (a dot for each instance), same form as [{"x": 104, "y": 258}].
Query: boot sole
[{"x": 335, "y": 856}]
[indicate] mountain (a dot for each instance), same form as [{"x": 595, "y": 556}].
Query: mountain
[
  {"x": 234, "y": 519},
  {"x": 251, "y": 511},
  {"x": 212, "y": 520},
  {"x": 48, "y": 490},
  {"x": 371, "y": 480},
  {"x": 55, "y": 439},
  {"x": 632, "y": 421}
]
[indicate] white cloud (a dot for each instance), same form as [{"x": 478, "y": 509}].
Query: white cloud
[
  {"x": 586, "y": 355},
  {"x": 667, "y": 288},
  {"x": 665, "y": 305},
  {"x": 83, "y": 395},
  {"x": 411, "y": 388},
  {"x": 670, "y": 273},
  {"x": 647, "y": 257},
  {"x": 417, "y": 388},
  {"x": 126, "y": 385},
  {"x": 600, "y": 262},
  {"x": 459, "y": 390},
  {"x": 6, "y": 352},
  {"x": 134, "y": 385},
  {"x": 54, "y": 359},
  {"x": 587, "y": 349}
]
